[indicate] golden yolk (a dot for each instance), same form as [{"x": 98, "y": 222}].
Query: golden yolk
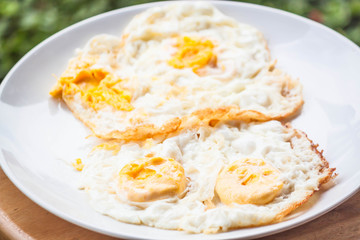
[
  {"x": 109, "y": 146},
  {"x": 193, "y": 53},
  {"x": 98, "y": 89},
  {"x": 78, "y": 165},
  {"x": 248, "y": 181},
  {"x": 75, "y": 66},
  {"x": 150, "y": 179}
]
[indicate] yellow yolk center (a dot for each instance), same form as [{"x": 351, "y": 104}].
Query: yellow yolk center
[
  {"x": 193, "y": 53},
  {"x": 248, "y": 181},
  {"x": 78, "y": 165},
  {"x": 150, "y": 179},
  {"x": 109, "y": 146},
  {"x": 97, "y": 88}
]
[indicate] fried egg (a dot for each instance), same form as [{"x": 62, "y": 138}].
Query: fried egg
[
  {"x": 248, "y": 181},
  {"x": 175, "y": 67},
  {"x": 153, "y": 178},
  {"x": 207, "y": 180}
]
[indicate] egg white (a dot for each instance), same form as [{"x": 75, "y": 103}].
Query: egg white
[
  {"x": 162, "y": 93},
  {"x": 203, "y": 153}
]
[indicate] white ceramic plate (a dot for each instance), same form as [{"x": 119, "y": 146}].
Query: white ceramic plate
[{"x": 36, "y": 130}]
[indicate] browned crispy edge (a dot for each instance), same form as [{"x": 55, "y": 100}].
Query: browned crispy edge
[
  {"x": 323, "y": 167},
  {"x": 208, "y": 116},
  {"x": 279, "y": 217},
  {"x": 176, "y": 125}
]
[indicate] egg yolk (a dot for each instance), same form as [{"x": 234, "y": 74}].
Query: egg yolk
[
  {"x": 248, "y": 181},
  {"x": 109, "y": 146},
  {"x": 150, "y": 179},
  {"x": 78, "y": 165},
  {"x": 98, "y": 89},
  {"x": 193, "y": 53}
]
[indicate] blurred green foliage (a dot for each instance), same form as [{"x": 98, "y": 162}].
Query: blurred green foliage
[{"x": 25, "y": 23}]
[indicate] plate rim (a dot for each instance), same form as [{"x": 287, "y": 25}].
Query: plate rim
[{"x": 48, "y": 207}]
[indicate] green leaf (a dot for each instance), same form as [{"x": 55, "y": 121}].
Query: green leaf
[
  {"x": 337, "y": 13},
  {"x": 353, "y": 33},
  {"x": 9, "y": 8}
]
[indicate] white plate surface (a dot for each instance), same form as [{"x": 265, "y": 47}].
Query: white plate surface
[{"x": 36, "y": 131}]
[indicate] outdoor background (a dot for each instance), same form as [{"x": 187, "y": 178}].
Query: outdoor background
[{"x": 25, "y": 23}]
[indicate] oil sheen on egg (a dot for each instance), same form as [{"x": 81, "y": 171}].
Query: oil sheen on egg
[
  {"x": 207, "y": 180},
  {"x": 175, "y": 67}
]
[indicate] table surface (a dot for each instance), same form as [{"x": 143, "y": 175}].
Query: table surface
[{"x": 17, "y": 221}]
